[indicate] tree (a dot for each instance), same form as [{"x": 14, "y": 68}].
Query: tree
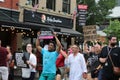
[
  {"x": 97, "y": 11},
  {"x": 113, "y": 28}
]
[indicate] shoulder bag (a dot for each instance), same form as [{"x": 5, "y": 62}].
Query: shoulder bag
[
  {"x": 26, "y": 72},
  {"x": 116, "y": 70}
]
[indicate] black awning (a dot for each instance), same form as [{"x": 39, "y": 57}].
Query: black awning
[
  {"x": 70, "y": 31},
  {"x": 36, "y": 27},
  {"x": 26, "y": 26}
]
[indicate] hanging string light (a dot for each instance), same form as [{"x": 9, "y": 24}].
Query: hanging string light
[
  {"x": 2, "y": 29},
  {"x": 21, "y": 30},
  {"x": 6, "y": 29},
  {"x": 12, "y": 28},
  {"x": 27, "y": 34}
]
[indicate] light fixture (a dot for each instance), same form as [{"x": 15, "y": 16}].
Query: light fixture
[
  {"x": 27, "y": 34},
  {"x": 30, "y": 29},
  {"x": 2, "y": 29},
  {"x": 42, "y": 7},
  {"x": 62, "y": 35},
  {"x": 21, "y": 30},
  {"x": 6, "y": 29},
  {"x": 59, "y": 11},
  {"x": 12, "y": 28}
]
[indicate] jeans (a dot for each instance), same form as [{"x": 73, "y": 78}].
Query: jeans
[{"x": 100, "y": 74}]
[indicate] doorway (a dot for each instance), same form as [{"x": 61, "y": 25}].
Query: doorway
[{"x": 5, "y": 37}]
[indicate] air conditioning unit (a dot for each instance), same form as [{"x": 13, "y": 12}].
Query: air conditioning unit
[{"x": 2, "y": 0}]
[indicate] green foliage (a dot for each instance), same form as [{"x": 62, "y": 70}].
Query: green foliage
[
  {"x": 113, "y": 28},
  {"x": 97, "y": 12}
]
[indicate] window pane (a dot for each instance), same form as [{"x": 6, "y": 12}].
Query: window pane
[
  {"x": 32, "y": 2},
  {"x": 66, "y": 6},
  {"x": 50, "y": 4},
  {"x": 66, "y": 1}
]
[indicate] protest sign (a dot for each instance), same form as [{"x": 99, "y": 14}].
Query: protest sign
[
  {"x": 46, "y": 35},
  {"x": 19, "y": 59}
]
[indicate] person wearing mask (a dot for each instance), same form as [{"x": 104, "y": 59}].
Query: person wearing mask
[
  {"x": 77, "y": 65},
  {"x": 110, "y": 51},
  {"x": 49, "y": 58},
  {"x": 31, "y": 61},
  {"x": 4, "y": 57}
]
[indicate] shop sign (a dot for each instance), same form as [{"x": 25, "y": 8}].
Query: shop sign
[
  {"x": 46, "y": 35},
  {"x": 43, "y": 18},
  {"x": 82, "y": 6},
  {"x": 82, "y": 11}
]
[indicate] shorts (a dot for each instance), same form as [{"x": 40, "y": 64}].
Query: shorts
[{"x": 47, "y": 76}]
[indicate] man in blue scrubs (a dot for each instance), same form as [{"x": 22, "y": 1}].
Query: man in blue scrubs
[{"x": 49, "y": 58}]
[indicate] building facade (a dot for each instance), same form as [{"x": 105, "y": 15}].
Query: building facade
[
  {"x": 24, "y": 17},
  {"x": 21, "y": 19}
]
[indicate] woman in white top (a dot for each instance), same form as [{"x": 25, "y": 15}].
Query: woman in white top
[{"x": 32, "y": 62}]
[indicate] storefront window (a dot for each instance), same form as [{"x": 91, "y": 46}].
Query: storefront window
[
  {"x": 66, "y": 6},
  {"x": 50, "y": 4}
]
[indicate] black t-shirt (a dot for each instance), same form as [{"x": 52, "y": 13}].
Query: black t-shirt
[
  {"x": 93, "y": 61},
  {"x": 115, "y": 55}
]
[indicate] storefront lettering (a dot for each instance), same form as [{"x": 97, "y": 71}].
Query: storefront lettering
[{"x": 54, "y": 20}]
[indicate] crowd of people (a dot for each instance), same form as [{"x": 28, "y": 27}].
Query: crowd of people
[{"x": 101, "y": 62}]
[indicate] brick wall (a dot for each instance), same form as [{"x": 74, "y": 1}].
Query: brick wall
[{"x": 11, "y": 4}]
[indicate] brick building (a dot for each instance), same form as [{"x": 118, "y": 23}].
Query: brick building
[{"x": 20, "y": 17}]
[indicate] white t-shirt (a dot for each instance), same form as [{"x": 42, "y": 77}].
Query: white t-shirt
[{"x": 33, "y": 60}]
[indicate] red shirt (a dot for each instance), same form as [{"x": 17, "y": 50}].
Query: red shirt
[
  {"x": 60, "y": 61},
  {"x": 3, "y": 56}
]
